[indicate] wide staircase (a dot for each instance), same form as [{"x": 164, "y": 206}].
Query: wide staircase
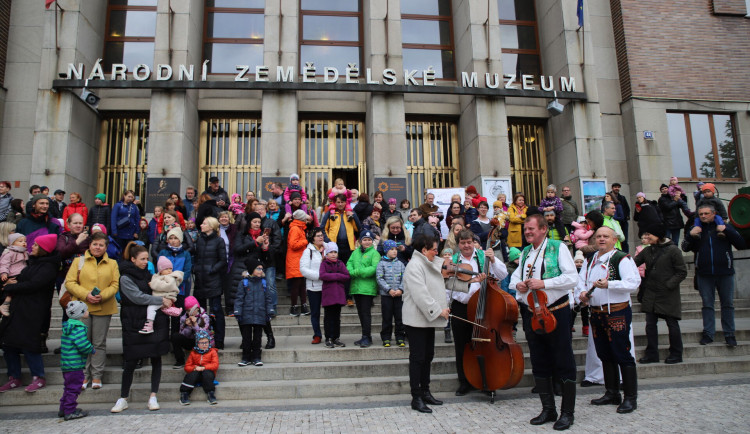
[{"x": 296, "y": 369}]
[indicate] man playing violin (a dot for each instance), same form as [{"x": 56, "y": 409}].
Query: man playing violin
[
  {"x": 546, "y": 265},
  {"x": 606, "y": 282},
  {"x": 462, "y": 331}
]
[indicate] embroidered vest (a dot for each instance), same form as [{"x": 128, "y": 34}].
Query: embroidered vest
[
  {"x": 550, "y": 267},
  {"x": 614, "y": 264},
  {"x": 478, "y": 255}
]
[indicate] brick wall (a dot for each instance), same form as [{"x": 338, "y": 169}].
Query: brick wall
[
  {"x": 730, "y": 7},
  {"x": 4, "y": 27},
  {"x": 681, "y": 50}
]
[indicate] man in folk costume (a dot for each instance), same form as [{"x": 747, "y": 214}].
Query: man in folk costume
[
  {"x": 459, "y": 293},
  {"x": 606, "y": 282},
  {"x": 547, "y": 265}
]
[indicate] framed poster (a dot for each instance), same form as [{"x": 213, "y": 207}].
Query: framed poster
[
  {"x": 592, "y": 192},
  {"x": 491, "y": 187},
  {"x": 392, "y": 188},
  {"x": 158, "y": 190}
]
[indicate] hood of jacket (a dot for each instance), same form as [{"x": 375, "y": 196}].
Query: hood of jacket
[
  {"x": 127, "y": 268},
  {"x": 70, "y": 325}
]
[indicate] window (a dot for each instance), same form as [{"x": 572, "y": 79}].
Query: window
[
  {"x": 519, "y": 38},
  {"x": 233, "y": 34},
  {"x": 129, "y": 38},
  {"x": 704, "y": 146},
  {"x": 528, "y": 159},
  {"x": 123, "y": 157},
  {"x": 427, "y": 36},
  {"x": 431, "y": 158},
  {"x": 230, "y": 150},
  {"x": 331, "y": 34}
]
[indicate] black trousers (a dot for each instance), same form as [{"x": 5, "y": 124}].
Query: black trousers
[
  {"x": 612, "y": 336},
  {"x": 129, "y": 369},
  {"x": 364, "y": 311},
  {"x": 206, "y": 378},
  {"x": 296, "y": 286},
  {"x": 332, "y": 321},
  {"x": 344, "y": 254},
  {"x": 421, "y": 353},
  {"x": 652, "y": 335},
  {"x": 180, "y": 344},
  {"x": 461, "y": 336},
  {"x": 552, "y": 353},
  {"x": 391, "y": 307},
  {"x": 584, "y": 316},
  {"x": 252, "y": 337}
]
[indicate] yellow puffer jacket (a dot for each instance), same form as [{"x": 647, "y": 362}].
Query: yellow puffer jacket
[{"x": 105, "y": 275}]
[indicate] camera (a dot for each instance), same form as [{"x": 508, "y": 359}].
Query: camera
[{"x": 90, "y": 98}]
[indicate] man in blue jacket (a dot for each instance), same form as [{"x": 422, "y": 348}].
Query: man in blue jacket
[{"x": 714, "y": 270}]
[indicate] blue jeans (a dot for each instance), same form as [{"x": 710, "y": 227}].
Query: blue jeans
[
  {"x": 674, "y": 235},
  {"x": 271, "y": 285},
  {"x": 12, "y": 357},
  {"x": 707, "y": 286},
  {"x": 315, "y": 298}
]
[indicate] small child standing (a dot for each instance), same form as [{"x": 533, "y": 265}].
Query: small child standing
[
  {"x": 294, "y": 186},
  {"x": 12, "y": 262},
  {"x": 75, "y": 348},
  {"x": 389, "y": 276},
  {"x": 339, "y": 188},
  {"x": 237, "y": 207},
  {"x": 164, "y": 284},
  {"x": 201, "y": 367},
  {"x": 553, "y": 203},
  {"x": 334, "y": 275},
  {"x": 253, "y": 307}
]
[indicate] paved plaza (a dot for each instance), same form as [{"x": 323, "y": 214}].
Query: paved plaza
[{"x": 716, "y": 404}]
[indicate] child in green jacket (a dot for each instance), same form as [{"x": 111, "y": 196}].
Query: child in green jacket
[
  {"x": 362, "y": 265},
  {"x": 74, "y": 352}
]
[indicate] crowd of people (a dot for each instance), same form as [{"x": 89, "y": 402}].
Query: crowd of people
[{"x": 203, "y": 260}]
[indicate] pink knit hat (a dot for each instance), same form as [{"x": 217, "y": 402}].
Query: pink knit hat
[
  {"x": 100, "y": 227},
  {"x": 190, "y": 302},
  {"x": 47, "y": 242},
  {"x": 163, "y": 263}
]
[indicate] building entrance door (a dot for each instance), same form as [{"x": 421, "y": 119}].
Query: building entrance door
[{"x": 528, "y": 160}]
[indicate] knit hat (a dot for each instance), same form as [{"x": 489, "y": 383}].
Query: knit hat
[
  {"x": 163, "y": 263},
  {"x": 392, "y": 201},
  {"x": 176, "y": 231},
  {"x": 199, "y": 335},
  {"x": 388, "y": 245},
  {"x": 579, "y": 256},
  {"x": 100, "y": 227},
  {"x": 330, "y": 247},
  {"x": 190, "y": 303},
  {"x": 701, "y": 184},
  {"x": 293, "y": 177},
  {"x": 514, "y": 254},
  {"x": 663, "y": 186},
  {"x": 254, "y": 215},
  {"x": 497, "y": 204},
  {"x": 581, "y": 219},
  {"x": 641, "y": 194},
  {"x": 13, "y": 237},
  {"x": 546, "y": 213},
  {"x": 447, "y": 250},
  {"x": 656, "y": 229},
  {"x": 252, "y": 263},
  {"x": 709, "y": 186},
  {"x": 366, "y": 234},
  {"x": 76, "y": 309},
  {"x": 674, "y": 178},
  {"x": 471, "y": 190},
  {"x": 300, "y": 215},
  {"x": 295, "y": 195},
  {"x": 47, "y": 242},
  {"x": 101, "y": 196},
  {"x": 37, "y": 197}
]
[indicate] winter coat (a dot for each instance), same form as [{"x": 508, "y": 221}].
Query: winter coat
[
  {"x": 389, "y": 275},
  {"x": 13, "y": 261},
  {"x": 721, "y": 211},
  {"x": 75, "y": 208},
  {"x": 421, "y": 227},
  {"x": 136, "y": 296},
  {"x": 553, "y": 202},
  {"x": 166, "y": 285},
  {"x": 209, "y": 360},
  {"x": 181, "y": 261},
  {"x": 363, "y": 210},
  {"x": 400, "y": 240},
  {"x": 130, "y": 229},
  {"x": 245, "y": 248},
  {"x": 220, "y": 195},
  {"x": 581, "y": 234},
  {"x": 713, "y": 254},
  {"x": 160, "y": 222},
  {"x": 5, "y": 209},
  {"x": 362, "y": 267},
  {"x": 56, "y": 209},
  {"x": 670, "y": 211},
  {"x": 160, "y": 243},
  {"x": 309, "y": 265},
  {"x": 386, "y": 214},
  {"x": 481, "y": 229},
  {"x": 100, "y": 214},
  {"x": 646, "y": 214},
  {"x": 331, "y": 224},
  {"x": 570, "y": 211},
  {"x": 372, "y": 226},
  {"x": 210, "y": 264},
  {"x": 34, "y": 227},
  {"x": 296, "y": 245},
  {"x": 74, "y": 346},
  {"x": 660, "y": 288},
  {"x": 253, "y": 304},
  {"x": 470, "y": 214},
  {"x": 515, "y": 228},
  {"x": 32, "y": 301},
  {"x": 334, "y": 276},
  {"x": 203, "y": 323},
  {"x": 69, "y": 250},
  {"x": 424, "y": 292},
  {"x": 206, "y": 209},
  {"x": 189, "y": 207},
  {"x": 104, "y": 275}
]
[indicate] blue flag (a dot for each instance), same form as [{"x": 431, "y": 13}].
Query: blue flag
[{"x": 579, "y": 12}]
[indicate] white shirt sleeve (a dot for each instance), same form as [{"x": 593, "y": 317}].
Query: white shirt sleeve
[
  {"x": 569, "y": 275},
  {"x": 630, "y": 279},
  {"x": 581, "y": 286},
  {"x": 498, "y": 269}
]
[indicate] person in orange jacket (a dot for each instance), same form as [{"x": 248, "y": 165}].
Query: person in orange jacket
[{"x": 200, "y": 367}]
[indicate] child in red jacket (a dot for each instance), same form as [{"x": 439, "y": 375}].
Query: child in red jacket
[{"x": 201, "y": 367}]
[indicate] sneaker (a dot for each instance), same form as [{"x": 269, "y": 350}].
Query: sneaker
[
  {"x": 243, "y": 363},
  {"x": 153, "y": 404},
  {"x": 358, "y": 342},
  {"x": 401, "y": 343},
  {"x": 13, "y": 383},
  {"x": 96, "y": 384},
  {"x": 350, "y": 303},
  {"x": 36, "y": 384},
  {"x": 316, "y": 340},
  {"x": 337, "y": 342},
  {"x": 329, "y": 343},
  {"x": 257, "y": 363},
  {"x": 184, "y": 398},
  {"x": 731, "y": 341},
  {"x": 366, "y": 342},
  {"x": 585, "y": 330},
  {"x": 705, "y": 340},
  {"x": 178, "y": 365},
  {"x": 76, "y": 415},
  {"x": 120, "y": 405},
  {"x": 387, "y": 344},
  {"x": 212, "y": 398},
  {"x": 305, "y": 309},
  {"x": 172, "y": 310},
  {"x": 148, "y": 328},
  {"x": 5, "y": 309}
]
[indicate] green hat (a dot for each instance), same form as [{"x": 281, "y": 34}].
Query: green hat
[
  {"x": 514, "y": 254},
  {"x": 102, "y": 197}
]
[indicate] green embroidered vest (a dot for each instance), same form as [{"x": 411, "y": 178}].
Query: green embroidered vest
[
  {"x": 550, "y": 267},
  {"x": 479, "y": 255}
]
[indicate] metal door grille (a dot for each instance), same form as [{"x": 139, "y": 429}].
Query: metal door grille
[
  {"x": 431, "y": 158},
  {"x": 528, "y": 159},
  {"x": 123, "y": 157},
  {"x": 230, "y": 150}
]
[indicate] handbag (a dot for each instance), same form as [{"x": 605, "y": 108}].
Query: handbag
[
  {"x": 65, "y": 296},
  {"x": 125, "y": 221}
]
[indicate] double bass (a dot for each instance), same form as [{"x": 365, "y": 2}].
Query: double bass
[{"x": 492, "y": 359}]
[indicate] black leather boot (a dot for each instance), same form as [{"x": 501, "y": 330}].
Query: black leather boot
[
  {"x": 549, "y": 413},
  {"x": 630, "y": 389},
  {"x": 418, "y": 404},
  {"x": 568, "y": 406},
  {"x": 271, "y": 342},
  {"x": 611, "y": 384},
  {"x": 427, "y": 398}
]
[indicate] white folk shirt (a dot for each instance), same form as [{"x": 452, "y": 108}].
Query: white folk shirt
[
  {"x": 497, "y": 269},
  {"x": 555, "y": 287},
  {"x": 618, "y": 291}
]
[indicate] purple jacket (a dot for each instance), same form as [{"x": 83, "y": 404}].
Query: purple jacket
[
  {"x": 333, "y": 275},
  {"x": 555, "y": 201}
]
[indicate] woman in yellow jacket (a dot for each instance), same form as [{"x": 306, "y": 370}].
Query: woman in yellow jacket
[
  {"x": 95, "y": 283},
  {"x": 516, "y": 216}
]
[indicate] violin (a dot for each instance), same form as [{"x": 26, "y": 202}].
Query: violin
[
  {"x": 542, "y": 320},
  {"x": 462, "y": 272}
]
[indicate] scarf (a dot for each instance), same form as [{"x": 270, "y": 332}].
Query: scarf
[
  {"x": 254, "y": 233},
  {"x": 175, "y": 249}
]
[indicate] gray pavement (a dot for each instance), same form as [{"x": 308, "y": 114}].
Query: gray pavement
[{"x": 716, "y": 403}]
